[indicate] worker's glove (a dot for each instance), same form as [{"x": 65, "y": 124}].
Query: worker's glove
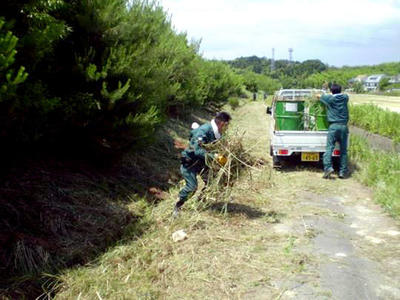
[{"x": 221, "y": 159}]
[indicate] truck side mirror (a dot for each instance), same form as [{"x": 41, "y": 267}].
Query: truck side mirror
[{"x": 268, "y": 110}]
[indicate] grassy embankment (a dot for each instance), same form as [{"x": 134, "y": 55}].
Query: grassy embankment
[
  {"x": 376, "y": 120},
  {"x": 58, "y": 212},
  {"x": 381, "y": 171},
  {"x": 229, "y": 252},
  {"x": 378, "y": 169}
]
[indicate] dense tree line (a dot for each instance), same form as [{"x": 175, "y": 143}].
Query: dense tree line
[
  {"x": 286, "y": 74},
  {"x": 344, "y": 74},
  {"x": 307, "y": 74},
  {"x": 255, "y": 82},
  {"x": 104, "y": 71}
]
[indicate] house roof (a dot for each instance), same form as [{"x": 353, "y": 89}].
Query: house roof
[
  {"x": 394, "y": 79},
  {"x": 375, "y": 78},
  {"x": 359, "y": 78},
  {"x": 363, "y": 76}
]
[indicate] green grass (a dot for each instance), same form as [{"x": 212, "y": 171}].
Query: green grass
[
  {"x": 376, "y": 120},
  {"x": 379, "y": 170},
  {"x": 227, "y": 250}
]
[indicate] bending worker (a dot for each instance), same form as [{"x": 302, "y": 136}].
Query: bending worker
[
  {"x": 194, "y": 156},
  {"x": 338, "y": 117}
]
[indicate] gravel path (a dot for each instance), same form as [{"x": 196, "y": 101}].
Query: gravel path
[{"x": 354, "y": 246}]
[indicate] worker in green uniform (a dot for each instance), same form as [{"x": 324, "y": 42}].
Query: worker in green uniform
[
  {"x": 193, "y": 161},
  {"x": 338, "y": 117}
]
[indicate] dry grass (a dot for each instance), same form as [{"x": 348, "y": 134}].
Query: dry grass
[
  {"x": 227, "y": 255},
  {"x": 249, "y": 242},
  {"x": 57, "y": 213},
  {"x": 234, "y": 249},
  {"x": 390, "y": 102},
  {"x": 239, "y": 163}
]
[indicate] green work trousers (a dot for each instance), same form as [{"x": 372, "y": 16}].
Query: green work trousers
[
  {"x": 336, "y": 133},
  {"x": 190, "y": 176}
]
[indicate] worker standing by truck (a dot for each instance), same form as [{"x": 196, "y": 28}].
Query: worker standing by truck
[
  {"x": 338, "y": 117},
  {"x": 194, "y": 156}
]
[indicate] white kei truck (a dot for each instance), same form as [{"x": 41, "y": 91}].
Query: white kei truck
[{"x": 298, "y": 131}]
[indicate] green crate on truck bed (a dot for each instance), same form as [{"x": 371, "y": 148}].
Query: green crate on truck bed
[{"x": 289, "y": 115}]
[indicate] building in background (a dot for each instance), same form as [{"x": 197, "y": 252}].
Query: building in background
[
  {"x": 356, "y": 84},
  {"x": 371, "y": 84},
  {"x": 394, "y": 79}
]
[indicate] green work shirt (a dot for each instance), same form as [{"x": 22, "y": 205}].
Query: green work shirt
[
  {"x": 199, "y": 136},
  {"x": 338, "y": 112}
]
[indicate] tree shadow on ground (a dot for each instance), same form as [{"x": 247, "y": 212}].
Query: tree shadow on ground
[
  {"x": 57, "y": 214},
  {"x": 295, "y": 165},
  {"x": 237, "y": 209},
  {"x": 59, "y": 211}
]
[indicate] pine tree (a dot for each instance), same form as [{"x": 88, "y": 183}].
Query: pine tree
[
  {"x": 10, "y": 77},
  {"x": 25, "y": 119}
]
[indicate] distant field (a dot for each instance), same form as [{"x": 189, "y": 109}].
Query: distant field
[{"x": 390, "y": 102}]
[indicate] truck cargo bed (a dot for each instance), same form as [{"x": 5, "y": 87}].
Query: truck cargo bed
[{"x": 299, "y": 141}]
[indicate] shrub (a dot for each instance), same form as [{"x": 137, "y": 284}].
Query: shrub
[
  {"x": 233, "y": 102},
  {"x": 100, "y": 72},
  {"x": 27, "y": 109},
  {"x": 358, "y": 88},
  {"x": 10, "y": 77},
  {"x": 221, "y": 82}
]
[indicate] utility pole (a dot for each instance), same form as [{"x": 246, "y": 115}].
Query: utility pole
[
  {"x": 290, "y": 55},
  {"x": 273, "y": 60}
]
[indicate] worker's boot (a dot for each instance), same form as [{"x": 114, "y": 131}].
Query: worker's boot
[
  {"x": 177, "y": 208},
  {"x": 327, "y": 173},
  {"x": 175, "y": 213}
]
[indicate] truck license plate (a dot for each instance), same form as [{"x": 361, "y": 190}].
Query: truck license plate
[{"x": 309, "y": 156}]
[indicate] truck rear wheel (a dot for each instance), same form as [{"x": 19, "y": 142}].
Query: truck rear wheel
[{"x": 276, "y": 162}]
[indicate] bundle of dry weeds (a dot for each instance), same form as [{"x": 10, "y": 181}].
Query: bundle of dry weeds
[{"x": 237, "y": 163}]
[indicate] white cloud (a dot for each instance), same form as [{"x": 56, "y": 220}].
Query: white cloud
[
  {"x": 208, "y": 13},
  {"x": 238, "y": 27}
]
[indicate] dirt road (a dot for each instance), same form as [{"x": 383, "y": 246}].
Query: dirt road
[{"x": 351, "y": 248}]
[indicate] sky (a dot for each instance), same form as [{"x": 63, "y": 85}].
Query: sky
[{"x": 339, "y": 32}]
